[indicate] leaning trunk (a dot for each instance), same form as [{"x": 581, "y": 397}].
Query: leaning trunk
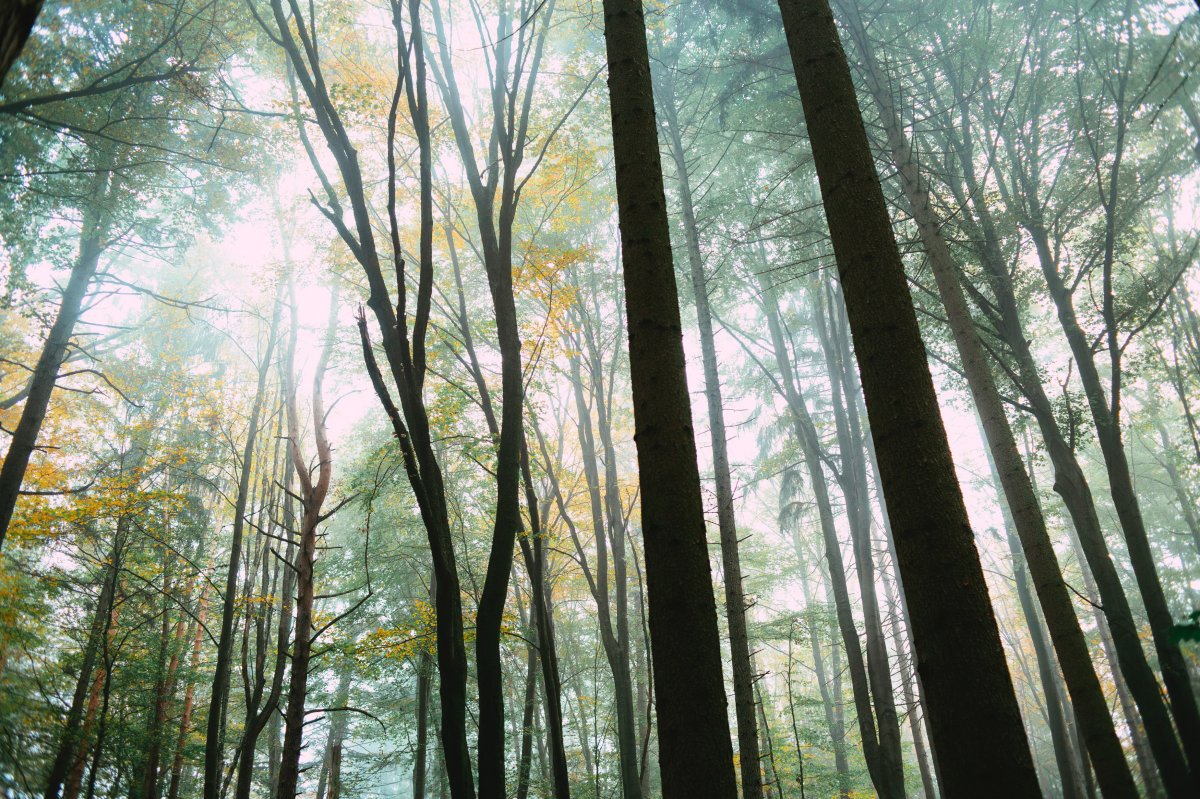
[{"x": 957, "y": 640}]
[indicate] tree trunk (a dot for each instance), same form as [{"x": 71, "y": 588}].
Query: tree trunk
[
  {"x": 214, "y": 743},
  {"x": 884, "y": 768},
  {"x": 16, "y": 23},
  {"x": 189, "y": 693},
  {"x": 1087, "y": 696},
  {"x": 73, "y": 737},
  {"x": 695, "y": 752},
  {"x": 312, "y": 493},
  {"x": 1187, "y": 507},
  {"x": 959, "y": 653},
  {"x": 54, "y": 352},
  {"x": 852, "y": 478},
  {"x": 833, "y": 719},
  {"x": 1071, "y": 484},
  {"x": 534, "y": 553},
  {"x": 911, "y": 704},
  {"x": 735, "y": 596}
]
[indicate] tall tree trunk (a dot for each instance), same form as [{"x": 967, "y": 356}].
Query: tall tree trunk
[
  {"x": 833, "y": 719},
  {"x": 312, "y": 493},
  {"x": 1108, "y": 433},
  {"x": 852, "y": 478},
  {"x": 695, "y": 751},
  {"x": 337, "y": 736},
  {"x": 911, "y": 704},
  {"x": 1055, "y": 720},
  {"x": 404, "y": 351},
  {"x": 529, "y": 708},
  {"x": 959, "y": 653},
  {"x": 1087, "y": 696},
  {"x": 424, "y": 680},
  {"x": 884, "y": 767},
  {"x": 102, "y": 621},
  {"x": 614, "y": 642},
  {"x": 1072, "y": 486},
  {"x": 1187, "y": 506},
  {"x": 534, "y": 552},
  {"x": 189, "y": 694},
  {"x": 735, "y": 595},
  {"x": 1105, "y": 412},
  {"x": 166, "y": 665},
  {"x": 214, "y": 742}
]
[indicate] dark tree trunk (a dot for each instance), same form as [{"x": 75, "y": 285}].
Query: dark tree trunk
[
  {"x": 912, "y": 705},
  {"x": 957, "y": 641},
  {"x": 533, "y": 549},
  {"x": 1069, "y": 772},
  {"x": 695, "y": 752},
  {"x": 424, "y": 681},
  {"x": 735, "y": 596},
  {"x": 404, "y": 351},
  {"x": 17, "y": 18},
  {"x": 312, "y": 493},
  {"x": 1071, "y": 484},
  {"x": 1087, "y": 696},
  {"x": 73, "y": 737}
]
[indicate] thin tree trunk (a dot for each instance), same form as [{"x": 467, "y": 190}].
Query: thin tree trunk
[
  {"x": 535, "y": 555},
  {"x": 54, "y": 351},
  {"x": 911, "y": 704},
  {"x": 214, "y": 743},
  {"x": 829, "y": 700},
  {"x": 313, "y": 493},
  {"x": 189, "y": 695},
  {"x": 1071, "y": 484},
  {"x": 1187, "y": 507},
  {"x": 73, "y": 737},
  {"x": 852, "y": 477},
  {"x": 424, "y": 680},
  {"x": 884, "y": 770}
]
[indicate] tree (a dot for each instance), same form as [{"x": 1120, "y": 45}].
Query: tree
[
  {"x": 943, "y": 579},
  {"x": 695, "y": 754}
]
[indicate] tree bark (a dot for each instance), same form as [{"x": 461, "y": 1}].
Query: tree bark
[
  {"x": 735, "y": 595},
  {"x": 695, "y": 752},
  {"x": 1091, "y": 707},
  {"x": 957, "y": 641}
]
